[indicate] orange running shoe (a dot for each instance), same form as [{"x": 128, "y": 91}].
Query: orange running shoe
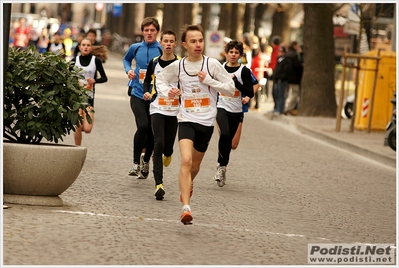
[{"x": 186, "y": 217}]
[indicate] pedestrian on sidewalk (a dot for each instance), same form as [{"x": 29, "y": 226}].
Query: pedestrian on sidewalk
[
  {"x": 280, "y": 77},
  {"x": 294, "y": 79},
  {"x": 163, "y": 111},
  {"x": 229, "y": 109},
  {"x": 142, "y": 53},
  {"x": 90, "y": 65},
  {"x": 258, "y": 69},
  {"x": 200, "y": 79}
]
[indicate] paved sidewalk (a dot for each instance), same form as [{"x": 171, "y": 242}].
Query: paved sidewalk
[{"x": 369, "y": 145}]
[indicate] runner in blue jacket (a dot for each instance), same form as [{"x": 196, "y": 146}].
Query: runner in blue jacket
[{"x": 142, "y": 52}]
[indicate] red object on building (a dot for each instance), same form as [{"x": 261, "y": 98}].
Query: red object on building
[{"x": 339, "y": 32}]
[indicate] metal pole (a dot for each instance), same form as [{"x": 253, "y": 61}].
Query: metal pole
[
  {"x": 373, "y": 93},
  {"x": 341, "y": 99},
  {"x": 6, "y": 33},
  {"x": 351, "y": 126}
]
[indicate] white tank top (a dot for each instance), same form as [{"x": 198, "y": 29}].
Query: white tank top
[
  {"x": 198, "y": 101},
  {"x": 56, "y": 48},
  {"x": 88, "y": 71},
  {"x": 162, "y": 104},
  {"x": 232, "y": 104}
]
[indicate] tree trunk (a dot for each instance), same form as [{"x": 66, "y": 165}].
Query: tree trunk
[
  {"x": 128, "y": 19},
  {"x": 205, "y": 16},
  {"x": 190, "y": 12},
  {"x": 281, "y": 22},
  {"x": 249, "y": 18},
  {"x": 259, "y": 12},
  {"x": 317, "y": 87},
  {"x": 174, "y": 22},
  {"x": 150, "y": 10},
  {"x": 225, "y": 19},
  {"x": 236, "y": 20},
  {"x": 138, "y": 17}
]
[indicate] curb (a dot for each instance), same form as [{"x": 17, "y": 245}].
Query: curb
[
  {"x": 335, "y": 142},
  {"x": 348, "y": 146}
]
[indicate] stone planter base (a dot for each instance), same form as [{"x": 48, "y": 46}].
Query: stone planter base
[
  {"x": 51, "y": 201},
  {"x": 38, "y": 174}
]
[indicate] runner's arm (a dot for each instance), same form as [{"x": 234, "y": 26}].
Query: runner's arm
[
  {"x": 167, "y": 76},
  {"x": 224, "y": 84}
]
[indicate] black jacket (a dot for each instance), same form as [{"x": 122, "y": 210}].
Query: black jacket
[
  {"x": 282, "y": 69},
  {"x": 295, "y": 74}
]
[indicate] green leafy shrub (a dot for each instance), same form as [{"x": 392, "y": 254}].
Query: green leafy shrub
[{"x": 42, "y": 97}]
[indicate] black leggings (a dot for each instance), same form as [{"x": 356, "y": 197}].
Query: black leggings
[
  {"x": 143, "y": 138},
  {"x": 164, "y": 128},
  {"x": 228, "y": 124}
]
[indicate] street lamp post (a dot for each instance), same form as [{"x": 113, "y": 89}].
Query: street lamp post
[{"x": 6, "y": 33}]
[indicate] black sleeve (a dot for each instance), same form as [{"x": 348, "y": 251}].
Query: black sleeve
[
  {"x": 247, "y": 87},
  {"x": 100, "y": 69},
  {"x": 150, "y": 72},
  {"x": 76, "y": 51},
  {"x": 148, "y": 76}
]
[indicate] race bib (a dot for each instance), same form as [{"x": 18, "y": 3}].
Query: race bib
[
  {"x": 197, "y": 103},
  {"x": 85, "y": 84},
  {"x": 142, "y": 73},
  {"x": 235, "y": 96},
  {"x": 168, "y": 104}
]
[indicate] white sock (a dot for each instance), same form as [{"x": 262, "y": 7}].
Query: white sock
[{"x": 186, "y": 208}]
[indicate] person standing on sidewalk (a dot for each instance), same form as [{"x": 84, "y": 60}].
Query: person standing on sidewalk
[
  {"x": 294, "y": 79},
  {"x": 142, "y": 52},
  {"x": 90, "y": 65},
  {"x": 230, "y": 109},
  {"x": 280, "y": 77},
  {"x": 163, "y": 111},
  {"x": 200, "y": 79}
]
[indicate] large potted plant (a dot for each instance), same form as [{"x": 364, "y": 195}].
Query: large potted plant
[{"x": 42, "y": 97}]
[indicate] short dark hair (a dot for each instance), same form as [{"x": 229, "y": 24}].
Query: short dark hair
[
  {"x": 293, "y": 44},
  {"x": 148, "y": 21},
  {"x": 168, "y": 32},
  {"x": 276, "y": 40},
  {"x": 234, "y": 44},
  {"x": 187, "y": 28},
  {"x": 93, "y": 31}
]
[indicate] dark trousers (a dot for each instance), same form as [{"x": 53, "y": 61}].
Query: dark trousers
[
  {"x": 228, "y": 124},
  {"x": 164, "y": 128},
  {"x": 279, "y": 88},
  {"x": 143, "y": 138}
]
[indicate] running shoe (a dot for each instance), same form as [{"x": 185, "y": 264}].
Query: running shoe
[
  {"x": 186, "y": 216},
  {"x": 191, "y": 192},
  {"x": 159, "y": 192},
  {"x": 145, "y": 168},
  {"x": 166, "y": 160},
  {"x": 135, "y": 170},
  {"x": 220, "y": 176}
]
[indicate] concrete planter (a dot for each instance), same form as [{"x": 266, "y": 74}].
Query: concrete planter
[{"x": 38, "y": 174}]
